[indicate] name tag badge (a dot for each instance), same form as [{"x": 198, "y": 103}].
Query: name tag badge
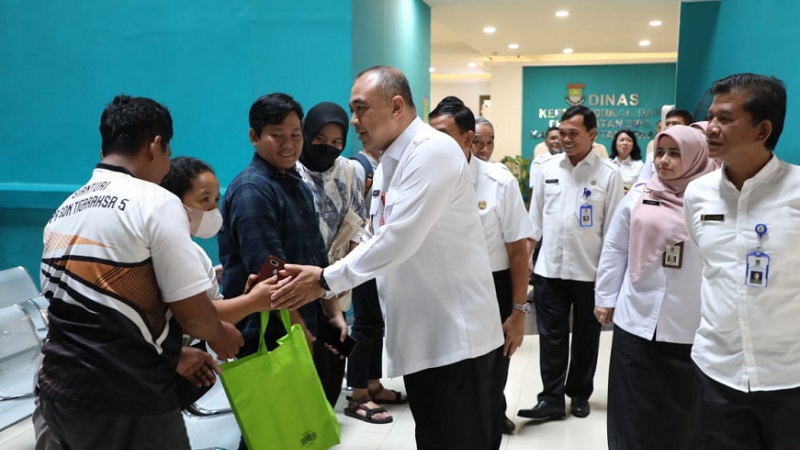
[
  {"x": 651, "y": 202},
  {"x": 712, "y": 217},
  {"x": 673, "y": 256},
  {"x": 757, "y": 273},
  {"x": 585, "y": 216},
  {"x": 551, "y": 181}
]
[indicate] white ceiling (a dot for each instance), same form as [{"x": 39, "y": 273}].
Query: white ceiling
[{"x": 599, "y": 31}]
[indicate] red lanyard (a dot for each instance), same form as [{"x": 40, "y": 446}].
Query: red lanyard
[{"x": 383, "y": 208}]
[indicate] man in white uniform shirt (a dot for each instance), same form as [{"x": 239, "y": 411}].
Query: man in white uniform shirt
[
  {"x": 574, "y": 196},
  {"x": 430, "y": 257},
  {"x": 507, "y": 229},
  {"x": 745, "y": 218},
  {"x": 551, "y": 144}
]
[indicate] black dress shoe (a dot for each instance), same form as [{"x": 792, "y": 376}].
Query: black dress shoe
[
  {"x": 543, "y": 411},
  {"x": 580, "y": 408},
  {"x": 508, "y": 426}
]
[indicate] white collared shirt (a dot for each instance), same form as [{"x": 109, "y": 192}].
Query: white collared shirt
[
  {"x": 664, "y": 302},
  {"x": 569, "y": 251},
  {"x": 502, "y": 211},
  {"x": 440, "y": 305},
  {"x": 541, "y": 151},
  {"x": 535, "y": 162},
  {"x": 648, "y": 170},
  {"x": 749, "y": 337},
  {"x": 629, "y": 169}
]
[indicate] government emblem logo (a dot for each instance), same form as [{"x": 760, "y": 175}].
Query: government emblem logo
[{"x": 575, "y": 94}]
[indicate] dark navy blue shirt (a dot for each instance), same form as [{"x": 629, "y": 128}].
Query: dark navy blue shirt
[{"x": 266, "y": 212}]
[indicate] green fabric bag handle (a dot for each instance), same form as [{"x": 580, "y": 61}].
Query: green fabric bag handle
[{"x": 262, "y": 346}]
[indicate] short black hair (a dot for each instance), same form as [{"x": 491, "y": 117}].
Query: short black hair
[
  {"x": 636, "y": 151},
  {"x": 549, "y": 130},
  {"x": 391, "y": 82},
  {"x": 453, "y": 106},
  {"x": 128, "y": 123},
  {"x": 766, "y": 99},
  {"x": 182, "y": 172},
  {"x": 685, "y": 115},
  {"x": 272, "y": 109},
  {"x": 589, "y": 119}
]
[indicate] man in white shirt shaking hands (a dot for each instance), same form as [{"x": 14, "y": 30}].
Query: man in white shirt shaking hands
[{"x": 430, "y": 257}]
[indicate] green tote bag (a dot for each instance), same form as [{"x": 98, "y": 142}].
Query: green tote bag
[{"x": 277, "y": 397}]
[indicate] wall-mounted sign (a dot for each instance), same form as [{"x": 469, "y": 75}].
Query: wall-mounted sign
[{"x": 621, "y": 96}]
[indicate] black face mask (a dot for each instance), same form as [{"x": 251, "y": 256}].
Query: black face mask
[{"x": 319, "y": 157}]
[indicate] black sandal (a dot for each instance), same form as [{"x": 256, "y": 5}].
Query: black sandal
[
  {"x": 355, "y": 405},
  {"x": 397, "y": 400}
]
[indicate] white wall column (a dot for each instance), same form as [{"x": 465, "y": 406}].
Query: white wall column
[{"x": 505, "y": 89}]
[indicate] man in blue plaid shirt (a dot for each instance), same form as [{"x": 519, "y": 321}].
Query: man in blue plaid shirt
[{"x": 269, "y": 210}]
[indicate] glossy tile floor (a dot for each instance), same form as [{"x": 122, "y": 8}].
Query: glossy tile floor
[{"x": 523, "y": 385}]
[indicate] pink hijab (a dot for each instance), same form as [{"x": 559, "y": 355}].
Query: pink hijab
[
  {"x": 701, "y": 125},
  {"x": 654, "y": 228}
]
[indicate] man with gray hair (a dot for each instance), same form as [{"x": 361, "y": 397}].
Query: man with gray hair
[{"x": 483, "y": 140}]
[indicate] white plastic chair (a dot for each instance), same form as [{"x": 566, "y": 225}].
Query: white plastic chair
[
  {"x": 16, "y": 286},
  {"x": 36, "y": 308},
  {"x": 20, "y": 346},
  {"x": 210, "y": 423}
]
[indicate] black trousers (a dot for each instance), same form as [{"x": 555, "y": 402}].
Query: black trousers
[
  {"x": 502, "y": 287},
  {"x": 653, "y": 395},
  {"x": 366, "y": 360},
  {"x": 451, "y": 404},
  {"x": 554, "y": 300},
  {"x": 748, "y": 420},
  {"x": 330, "y": 366},
  {"x": 78, "y": 429}
]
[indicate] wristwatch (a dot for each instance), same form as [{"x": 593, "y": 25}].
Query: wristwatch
[
  {"x": 324, "y": 284},
  {"x": 524, "y": 307}
]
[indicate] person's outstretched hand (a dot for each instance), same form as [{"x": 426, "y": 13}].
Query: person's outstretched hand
[{"x": 301, "y": 289}]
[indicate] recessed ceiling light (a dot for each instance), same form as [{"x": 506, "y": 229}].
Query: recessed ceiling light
[
  {"x": 472, "y": 65},
  {"x": 644, "y": 43},
  {"x": 567, "y": 50},
  {"x": 513, "y": 46},
  {"x": 432, "y": 69},
  {"x": 655, "y": 23},
  {"x": 562, "y": 13},
  {"x": 489, "y": 30}
]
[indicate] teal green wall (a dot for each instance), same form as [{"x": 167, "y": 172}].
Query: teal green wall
[
  {"x": 207, "y": 60},
  {"x": 732, "y": 36},
  {"x": 395, "y": 33},
  {"x": 608, "y": 90}
]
